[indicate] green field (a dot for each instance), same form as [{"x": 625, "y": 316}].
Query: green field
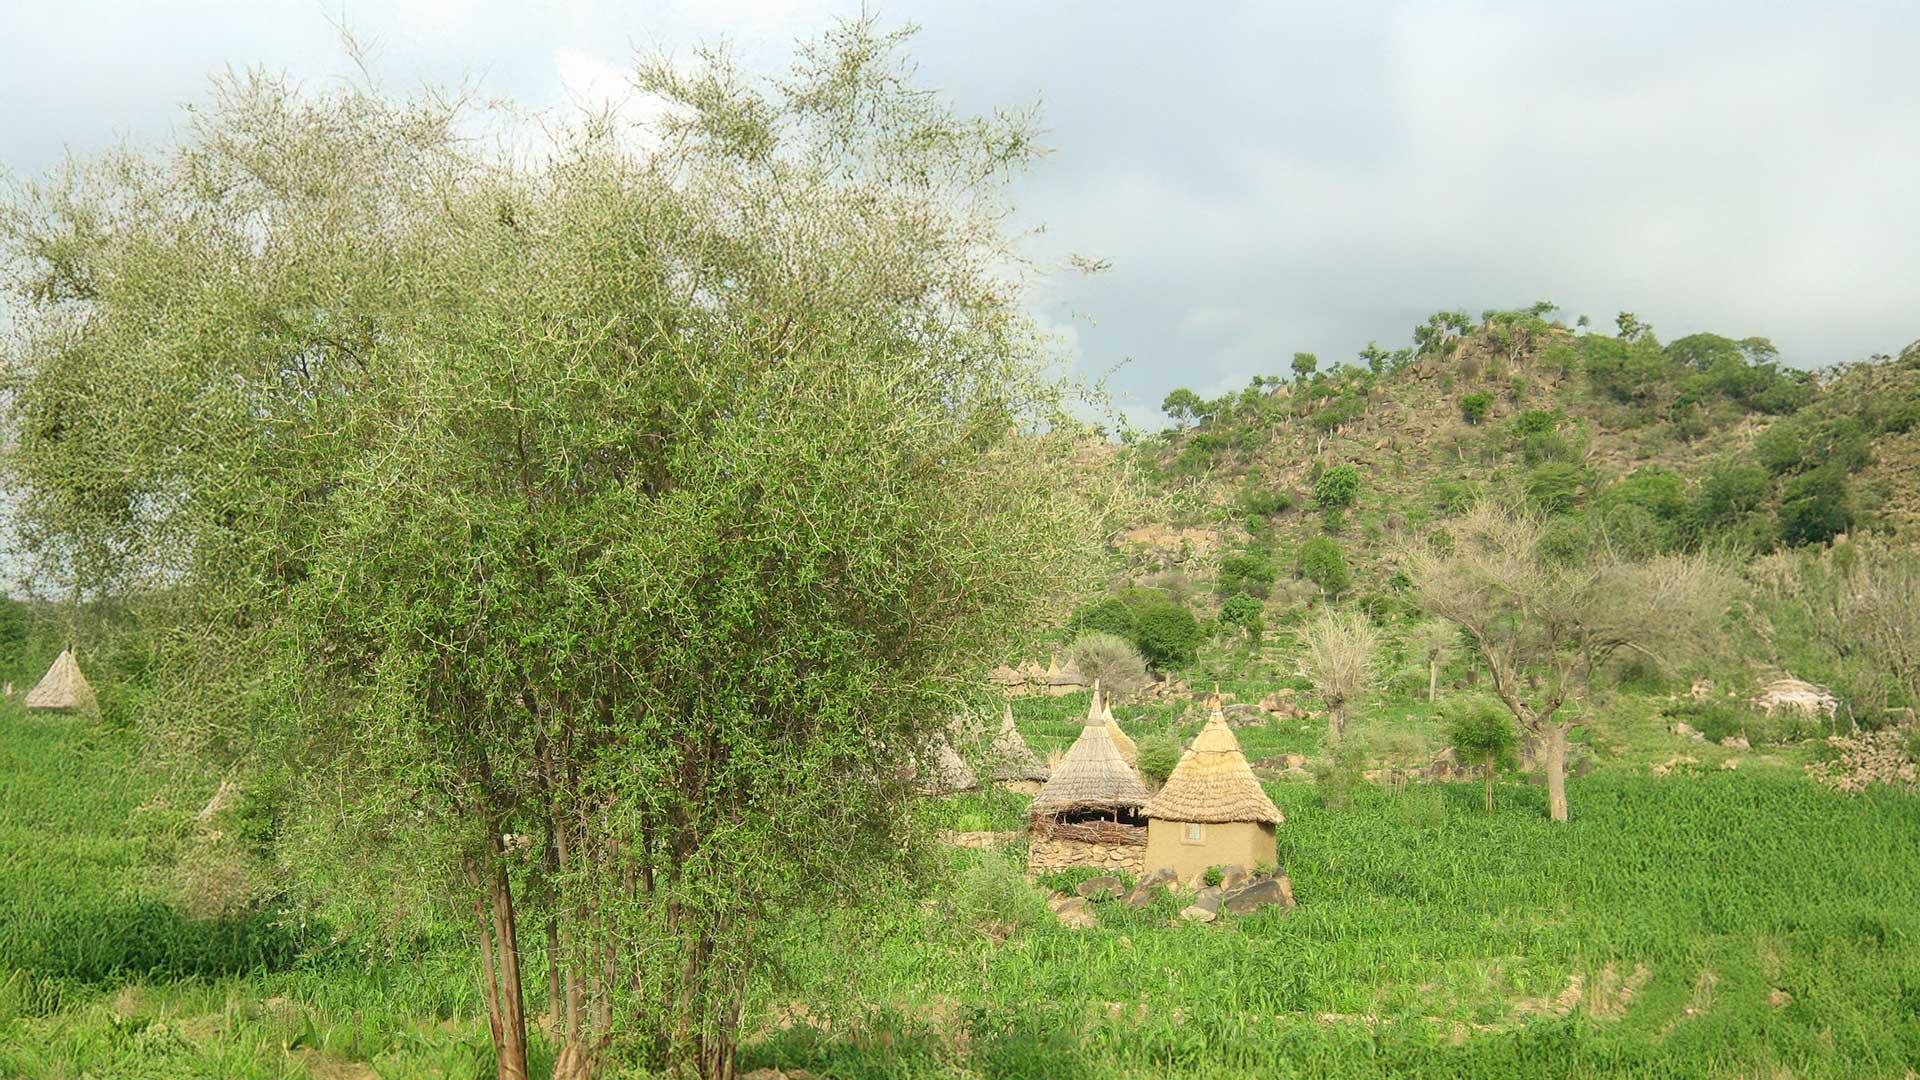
[{"x": 1722, "y": 923}]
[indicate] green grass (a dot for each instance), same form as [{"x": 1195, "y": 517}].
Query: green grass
[{"x": 1744, "y": 923}]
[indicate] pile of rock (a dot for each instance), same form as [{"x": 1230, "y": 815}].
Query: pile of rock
[
  {"x": 1240, "y": 892},
  {"x": 1866, "y": 758}
]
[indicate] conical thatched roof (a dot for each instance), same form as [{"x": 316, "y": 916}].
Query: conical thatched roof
[
  {"x": 942, "y": 771},
  {"x": 1012, "y": 758},
  {"x": 1213, "y": 782},
  {"x": 1121, "y": 740},
  {"x": 1093, "y": 775},
  {"x": 63, "y": 687}
]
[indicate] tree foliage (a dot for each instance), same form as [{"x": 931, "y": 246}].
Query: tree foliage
[
  {"x": 596, "y": 528},
  {"x": 1543, "y": 626}
]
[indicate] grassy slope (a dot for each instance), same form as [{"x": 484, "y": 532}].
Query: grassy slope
[
  {"x": 1430, "y": 940},
  {"x": 1737, "y": 923},
  {"x": 101, "y": 977}
]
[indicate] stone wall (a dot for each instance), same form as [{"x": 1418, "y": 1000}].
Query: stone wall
[{"x": 1051, "y": 853}]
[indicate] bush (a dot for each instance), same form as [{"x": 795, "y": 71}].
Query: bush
[
  {"x": 1555, "y": 486},
  {"x": 1815, "y": 508},
  {"x": 1336, "y": 487},
  {"x": 1455, "y": 496},
  {"x": 1244, "y": 614},
  {"x": 1157, "y": 754},
  {"x": 1474, "y": 406},
  {"x": 1260, "y": 502},
  {"x": 1336, "y": 775},
  {"x": 994, "y": 896},
  {"x": 1322, "y": 563},
  {"x": 1160, "y": 627},
  {"x": 1169, "y": 635},
  {"x": 1112, "y": 659},
  {"x": 1248, "y": 572}
]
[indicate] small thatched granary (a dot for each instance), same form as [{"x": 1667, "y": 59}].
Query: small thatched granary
[
  {"x": 1129, "y": 750},
  {"x": 63, "y": 687},
  {"x": 940, "y": 770},
  {"x": 1087, "y": 814},
  {"x": 1015, "y": 765},
  {"x": 1212, "y": 810}
]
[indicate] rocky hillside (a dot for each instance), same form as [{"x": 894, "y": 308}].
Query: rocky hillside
[{"x": 1300, "y": 486}]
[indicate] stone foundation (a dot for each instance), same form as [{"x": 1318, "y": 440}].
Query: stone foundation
[{"x": 1051, "y": 853}]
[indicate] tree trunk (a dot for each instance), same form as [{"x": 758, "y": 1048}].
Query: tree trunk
[
  {"x": 513, "y": 1009},
  {"x": 1556, "y": 763},
  {"x": 1336, "y": 724},
  {"x": 1489, "y": 767},
  {"x": 500, "y": 967},
  {"x": 1433, "y": 680}
]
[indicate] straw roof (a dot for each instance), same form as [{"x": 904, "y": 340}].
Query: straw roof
[
  {"x": 63, "y": 687},
  {"x": 942, "y": 771},
  {"x": 1092, "y": 776},
  {"x": 1121, "y": 740},
  {"x": 1012, "y": 758},
  {"x": 1213, "y": 782}
]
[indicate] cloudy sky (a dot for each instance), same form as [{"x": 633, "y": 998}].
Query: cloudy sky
[{"x": 1264, "y": 178}]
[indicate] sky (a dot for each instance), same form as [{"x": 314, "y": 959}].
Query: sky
[{"x": 1262, "y": 178}]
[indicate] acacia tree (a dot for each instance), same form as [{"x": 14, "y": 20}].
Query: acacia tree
[
  {"x": 576, "y": 539},
  {"x": 1543, "y": 627},
  {"x": 1338, "y": 652}
]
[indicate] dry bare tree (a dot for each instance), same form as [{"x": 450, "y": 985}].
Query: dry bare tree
[
  {"x": 1859, "y": 603},
  {"x": 1339, "y": 651},
  {"x": 1543, "y": 627}
]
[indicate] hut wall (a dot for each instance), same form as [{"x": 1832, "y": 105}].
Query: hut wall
[
  {"x": 1053, "y": 853},
  {"x": 1247, "y": 843}
]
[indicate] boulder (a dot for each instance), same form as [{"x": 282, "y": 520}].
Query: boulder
[
  {"x": 1246, "y": 716},
  {"x": 1232, "y": 876},
  {"x": 1687, "y": 731},
  {"x": 1104, "y": 887},
  {"x": 1196, "y": 913},
  {"x": 1208, "y": 898},
  {"x": 1735, "y": 742},
  {"x": 1258, "y": 894},
  {"x": 1076, "y": 913},
  {"x": 1144, "y": 892}
]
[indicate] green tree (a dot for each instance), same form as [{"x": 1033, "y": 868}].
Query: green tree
[
  {"x": 1482, "y": 733},
  {"x": 1474, "y": 406},
  {"x": 1304, "y": 365},
  {"x": 580, "y": 534},
  {"x": 1244, "y": 613},
  {"x": 1183, "y": 406},
  {"x": 1336, "y": 487},
  {"x": 1321, "y": 562}
]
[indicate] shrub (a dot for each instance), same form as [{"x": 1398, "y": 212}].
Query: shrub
[
  {"x": 1333, "y": 521},
  {"x": 993, "y": 896},
  {"x": 1244, "y": 614},
  {"x": 1336, "y": 775},
  {"x": 1336, "y": 487},
  {"x": 1322, "y": 563},
  {"x": 1815, "y": 508},
  {"x": 1454, "y": 496},
  {"x": 1157, "y": 754},
  {"x": 1246, "y": 572},
  {"x": 1167, "y": 633},
  {"x": 1112, "y": 659},
  {"x": 1262, "y": 502},
  {"x": 1555, "y": 486},
  {"x": 1159, "y": 626},
  {"x": 1482, "y": 733},
  {"x": 1474, "y": 406}
]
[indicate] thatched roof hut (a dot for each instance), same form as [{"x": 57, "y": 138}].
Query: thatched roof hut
[
  {"x": 1012, "y": 759},
  {"x": 1092, "y": 776},
  {"x": 63, "y": 686},
  {"x": 1121, "y": 740},
  {"x": 942, "y": 771},
  {"x": 1212, "y": 810}
]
